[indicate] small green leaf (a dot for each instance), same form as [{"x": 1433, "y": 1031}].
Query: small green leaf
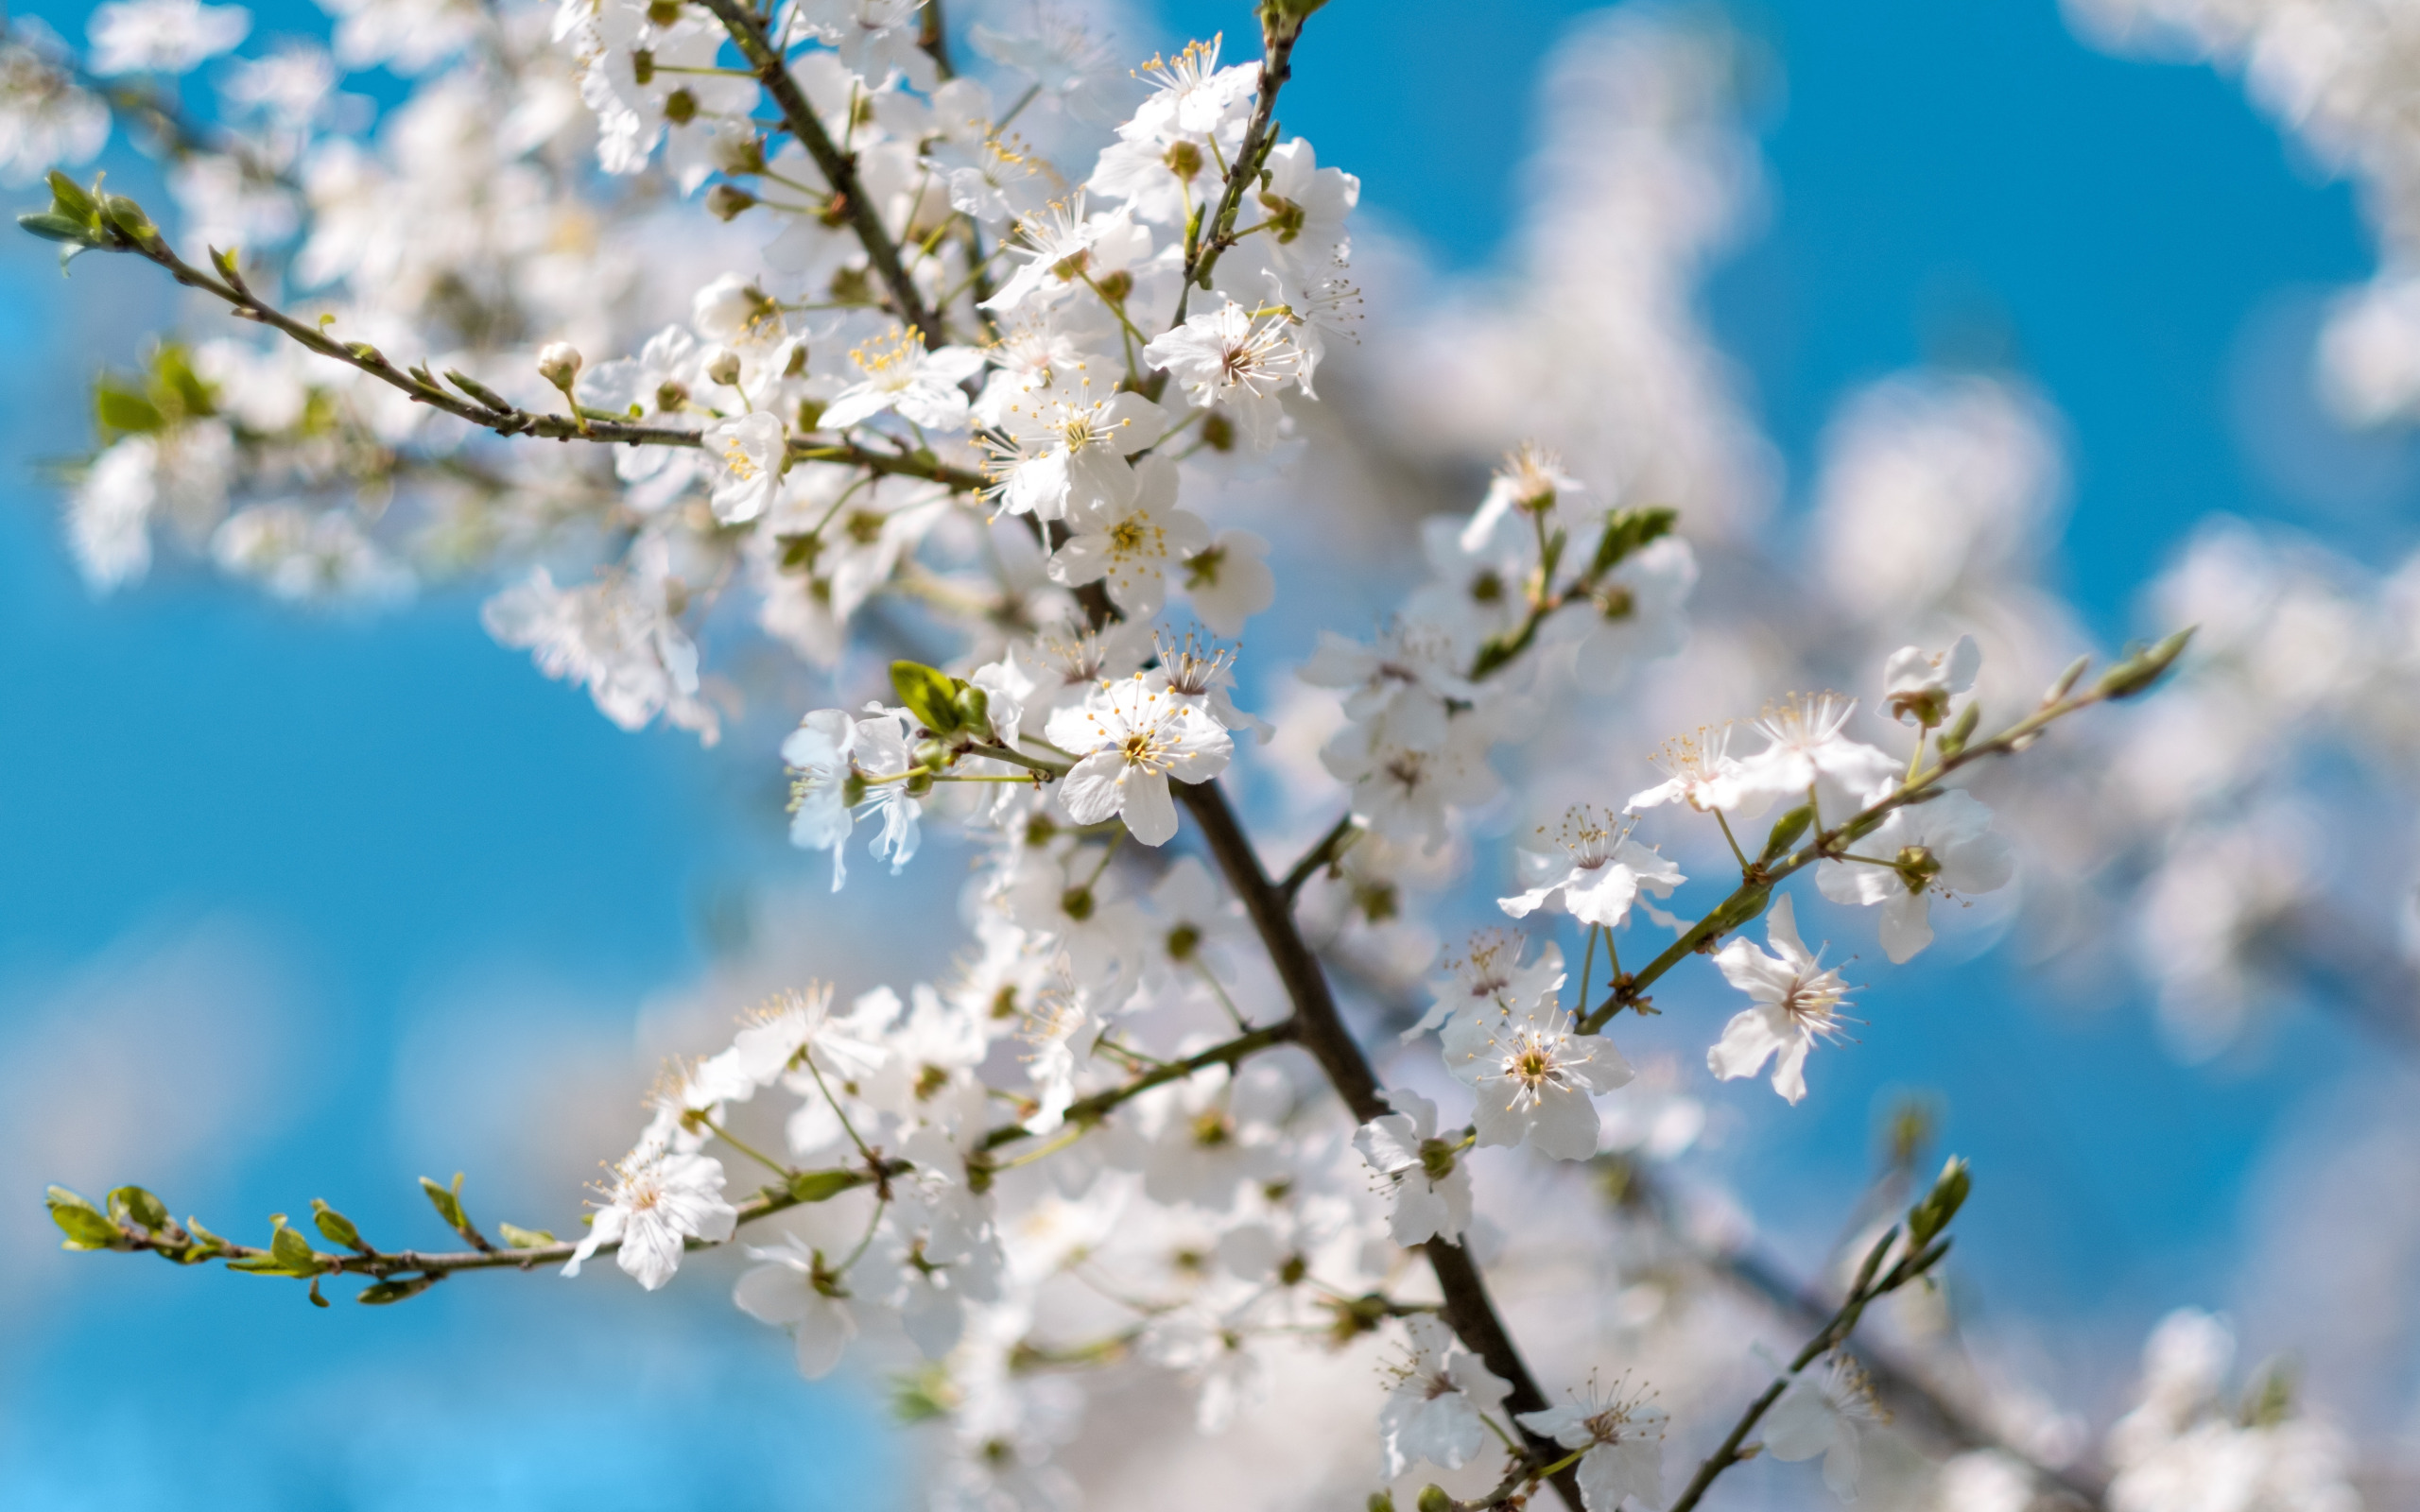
[
  {"x": 447, "y": 1201},
  {"x": 520, "y": 1238},
  {"x": 140, "y": 1208},
  {"x": 123, "y": 410},
  {"x": 85, "y": 1226},
  {"x": 929, "y": 694},
  {"x": 822, "y": 1186},
  {"x": 291, "y": 1250},
  {"x": 1931, "y": 1215},
  {"x": 1627, "y": 531},
  {"x": 335, "y": 1226},
  {"x": 2139, "y": 671},
  {"x": 379, "y": 1294},
  {"x": 53, "y": 227}
]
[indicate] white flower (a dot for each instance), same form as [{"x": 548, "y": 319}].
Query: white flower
[
  {"x": 1131, "y": 738},
  {"x": 1636, "y": 614},
  {"x": 1807, "y": 750},
  {"x": 1917, "y": 688},
  {"x": 793, "y": 1290},
  {"x": 1433, "y": 1411},
  {"x": 1821, "y": 1413},
  {"x": 1192, "y": 93},
  {"x": 1229, "y": 581},
  {"x": 1624, "y": 1440},
  {"x": 1403, "y": 786},
  {"x": 1700, "y": 771},
  {"x": 162, "y": 36},
  {"x": 1490, "y": 978},
  {"x": 1068, "y": 454},
  {"x": 750, "y": 452},
  {"x": 1598, "y": 876},
  {"x": 1429, "y": 1188},
  {"x": 1132, "y": 545},
  {"x": 1530, "y": 482},
  {"x": 1227, "y": 357},
  {"x": 1798, "y": 1002},
  {"x": 900, "y": 375},
  {"x": 617, "y": 636},
  {"x": 1062, "y": 249},
  {"x": 660, "y": 1198},
  {"x": 1943, "y": 847},
  {"x": 1534, "y": 1077},
  {"x": 831, "y": 756}
]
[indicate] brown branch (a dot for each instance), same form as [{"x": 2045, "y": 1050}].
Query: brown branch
[
  {"x": 491, "y": 412},
  {"x": 1320, "y": 1029},
  {"x": 839, "y": 169}
]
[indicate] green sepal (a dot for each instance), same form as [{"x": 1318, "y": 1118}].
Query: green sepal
[{"x": 929, "y": 694}]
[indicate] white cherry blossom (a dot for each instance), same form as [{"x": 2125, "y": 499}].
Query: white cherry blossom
[
  {"x": 1943, "y": 847},
  {"x": 1433, "y": 1411},
  {"x": 900, "y": 375},
  {"x": 659, "y": 1199},
  {"x": 1798, "y": 1002},
  {"x": 1533, "y": 1076},
  {"x": 1130, "y": 739},
  {"x": 1429, "y": 1189},
  {"x": 1131, "y": 546},
  {"x": 1600, "y": 872},
  {"x": 791, "y": 1289},
  {"x": 1624, "y": 1440}
]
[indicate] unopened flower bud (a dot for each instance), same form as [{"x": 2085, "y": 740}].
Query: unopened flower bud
[
  {"x": 724, "y": 201},
  {"x": 2142, "y": 669},
  {"x": 722, "y": 365},
  {"x": 1928, "y": 1218},
  {"x": 1433, "y": 1498},
  {"x": 1381, "y": 1502},
  {"x": 558, "y": 363}
]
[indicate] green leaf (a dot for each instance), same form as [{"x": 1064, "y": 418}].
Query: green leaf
[
  {"x": 822, "y": 1186},
  {"x": 2138, "y": 672},
  {"x": 127, "y": 218},
  {"x": 69, "y": 198},
  {"x": 1931, "y": 1215},
  {"x": 335, "y": 1226},
  {"x": 53, "y": 227},
  {"x": 175, "y": 388},
  {"x": 929, "y": 694},
  {"x": 140, "y": 1208},
  {"x": 1627, "y": 531},
  {"x": 520, "y": 1238},
  {"x": 447, "y": 1201},
  {"x": 123, "y": 410},
  {"x": 379, "y": 1294},
  {"x": 86, "y": 1227},
  {"x": 291, "y": 1250}
]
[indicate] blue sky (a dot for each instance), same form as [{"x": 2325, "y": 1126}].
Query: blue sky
[{"x": 391, "y": 810}]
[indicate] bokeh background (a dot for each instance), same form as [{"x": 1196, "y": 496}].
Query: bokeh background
[{"x": 293, "y": 906}]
